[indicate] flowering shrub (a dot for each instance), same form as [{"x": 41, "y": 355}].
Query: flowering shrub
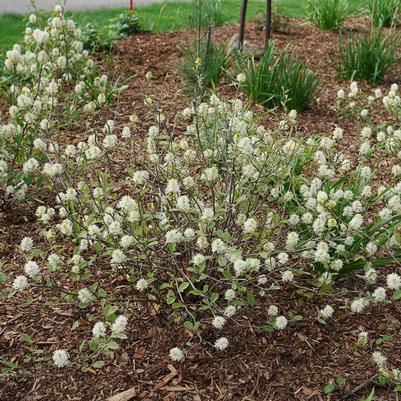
[
  {"x": 210, "y": 220},
  {"x": 52, "y": 82},
  {"x": 206, "y": 222}
]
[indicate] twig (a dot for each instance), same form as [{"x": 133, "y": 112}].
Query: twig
[{"x": 361, "y": 386}]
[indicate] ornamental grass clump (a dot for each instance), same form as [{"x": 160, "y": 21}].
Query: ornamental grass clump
[
  {"x": 369, "y": 57},
  {"x": 328, "y": 15},
  {"x": 278, "y": 80},
  {"x": 384, "y": 13},
  {"x": 204, "y": 64}
]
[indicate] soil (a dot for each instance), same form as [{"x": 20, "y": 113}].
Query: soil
[{"x": 295, "y": 364}]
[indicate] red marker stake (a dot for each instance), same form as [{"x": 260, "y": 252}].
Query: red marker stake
[{"x": 131, "y": 6}]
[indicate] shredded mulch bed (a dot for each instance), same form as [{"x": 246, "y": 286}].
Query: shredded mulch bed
[{"x": 295, "y": 364}]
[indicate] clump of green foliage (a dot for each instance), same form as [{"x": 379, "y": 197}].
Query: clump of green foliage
[
  {"x": 204, "y": 62},
  {"x": 205, "y": 13},
  {"x": 384, "y": 12},
  {"x": 369, "y": 57},
  {"x": 328, "y": 15},
  {"x": 127, "y": 24},
  {"x": 278, "y": 80}
]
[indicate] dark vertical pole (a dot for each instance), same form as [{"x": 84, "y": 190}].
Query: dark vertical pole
[
  {"x": 268, "y": 21},
  {"x": 242, "y": 24}
]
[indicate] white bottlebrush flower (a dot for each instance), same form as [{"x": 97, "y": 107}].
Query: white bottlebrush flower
[
  {"x": 198, "y": 259},
  {"x": 283, "y": 258},
  {"x": 142, "y": 284},
  {"x": 229, "y": 295},
  {"x": 358, "y": 305},
  {"x": 210, "y": 174},
  {"x": 338, "y": 133},
  {"x": 99, "y": 330},
  {"x": 118, "y": 257},
  {"x": 218, "y": 322},
  {"x": 110, "y": 141},
  {"x": 230, "y": 311},
  {"x": 379, "y": 294},
  {"x": 60, "y": 358},
  {"x": 30, "y": 166},
  {"x": 221, "y": 343},
  {"x": 393, "y": 281},
  {"x": 172, "y": 186},
  {"x": 292, "y": 240},
  {"x": 362, "y": 340},
  {"x": 176, "y": 354},
  {"x": 356, "y": 222},
  {"x": 140, "y": 177},
  {"x": 273, "y": 310},
  {"x": 341, "y": 94},
  {"x": 32, "y": 269},
  {"x": 26, "y": 244},
  {"x": 218, "y": 246},
  {"x": 287, "y": 276},
  {"x": 379, "y": 359},
  {"x": 183, "y": 203},
  {"x": 20, "y": 283},
  {"x": 327, "y": 312},
  {"x": 250, "y": 226},
  {"x": 173, "y": 236},
  {"x": 119, "y": 325},
  {"x": 85, "y": 296},
  {"x": 281, "y": 322}
]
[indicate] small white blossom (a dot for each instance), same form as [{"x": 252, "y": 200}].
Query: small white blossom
[
  {"x": 221, "y": 343},
  {"x": 119, "y": 325},
  {"x": 60, "y": 358},
  {"x": 176, "y": 354},
  {"x": 99, "y": 330}
]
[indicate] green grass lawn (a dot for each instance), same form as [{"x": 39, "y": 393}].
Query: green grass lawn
[{"x": 159, "y": 18}]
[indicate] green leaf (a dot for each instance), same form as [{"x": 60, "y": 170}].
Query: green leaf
[
  {"x": 98, "y": 364},
  {"x": 170, "y": 299},
  {"x": 113, "y": 345},
  {"x": 250, "y": 298},
  {"x": 222, "y": 261},
  {"x": 370, "y": 396},
  {"x": 93, "y": 345},
  {"x": 189, "y": 325},
  {"x": 329, "y": 388},
  {"x": 183, "y": 286},
  {"x": 75, "y": 325},
  {"x": 26, "y": 338},
  {"x": 214, "y": 297},
  {"x": 340, "y": 380},
  {"x": 397, "y": 295}
]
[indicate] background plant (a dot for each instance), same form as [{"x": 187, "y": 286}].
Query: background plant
[
  {"x": 328, "y": 15},
  {"x": 278, "y": 80},
  {"x": 205, "y": 13},
  {"x": 127, "y": 24},
  {"x": 96, "y": 40},
  {"x": 204, "y": 63},
  {"x": 369, "y": 57},
  {"x": 384, "y": 13}
]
